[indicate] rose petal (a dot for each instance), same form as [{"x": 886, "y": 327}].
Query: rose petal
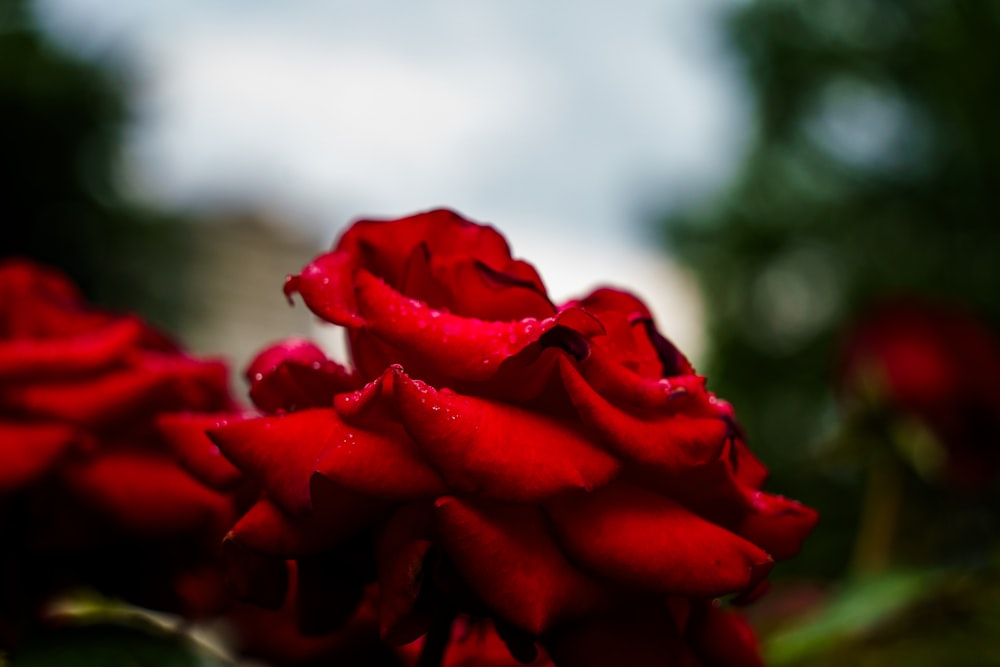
[
  {"x": 295, "y": 374},
  {"x": 747, "y": 468},
  {"x": 610, "y": 300},
  {"x": 605, "y": 301},
  {"x": 625, "y": 388},
  {"x": 185, "y": 435},
  {"x": 669, "y": 446},
  {"x": 148, "y": 495},
  {"x": 778, "y": 525},
  {"x": 36, "y": 359},
  {"x": 508, "y": 557},
  {"x": 327, "y": 287},
  {"x": 280, "y": 452},
  {"x": 650, "y": 542},
  {"x": 29, "y": 451},
  {"x": 383, "y": 246},
  {"x": 381, "y": 465},
  {"x": 466, "y": 286},
  {"x": 157, "y": 383},
  {"x": 91, "y": 402},
  {"x": 723, "y": 638},
  {"x": 461, "y": 347},
  {"x": 496, "y": 450},
  {"x": 337, "y": 515},
  {"x": 401, "y": 550}
]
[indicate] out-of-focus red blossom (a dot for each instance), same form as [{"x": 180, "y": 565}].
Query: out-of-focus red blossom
[
  {"x": 90, "y": 493},
  {"x": 559, "y": 470},
  {"x": 940, "y": 365},
  {"x": 107, "y": 478}
]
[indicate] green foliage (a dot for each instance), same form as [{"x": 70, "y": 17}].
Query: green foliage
[
  {"x": 112, "y": 645},
  {"x": 85, "y": 628},
  {"x": 873, "y": 171},
  {"x": 917, "y": 618}
]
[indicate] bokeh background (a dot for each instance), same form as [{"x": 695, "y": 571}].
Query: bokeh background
[{"x": 773, "y": 176}]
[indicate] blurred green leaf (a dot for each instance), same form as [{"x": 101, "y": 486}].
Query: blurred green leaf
[
  {"x": 112, "y": 645},
  {"x": 860, "y": 606},
  {"x": 914, "y": 618}
]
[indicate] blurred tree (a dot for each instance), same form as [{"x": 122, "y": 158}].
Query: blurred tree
[
  {"x": 61, "y": 123},
  {"x": 874, "y": 170}
]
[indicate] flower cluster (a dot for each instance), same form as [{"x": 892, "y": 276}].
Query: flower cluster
[
  {"x": 108, "y": 481},
  {"x": 91, "y": 493},
  {"x": 559, "y": 470}
]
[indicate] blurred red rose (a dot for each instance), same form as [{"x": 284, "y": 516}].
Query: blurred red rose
[
  {"x": 90, "y": 493},
  {"x": 560, "y": 470},
  {"x": 939, "y": 365}
]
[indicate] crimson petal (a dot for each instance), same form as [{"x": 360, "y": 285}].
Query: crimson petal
[
  {"x": 401, "y": 551},
  {"x": 508, "y": 557},
  {"x": 723, "y": 639},
  {"x": 466, "y": 348},
  {"x": 669, "y": 446},
  {"x": 29, "y": 451},
  {"x": 295, "y": 374},
  {"x": 185, "y": 435},
  {"x": 497, "y": 450},
  {"x": 280, "y": 452},
  {"x": 148, "y": 495},
  {"x": 36, "y": 359},
  {"x": 777, "y": 524},
  {"x": 326, "y": 286},
  {"x": 338, "y": 514},
  {"x": 382, "y": 465},
  {"x": 160, "y": 381},
  {"x": 469, "y": 287},
  {"x": 383, "y": 246},
  {"x": 650, "y": 542}
]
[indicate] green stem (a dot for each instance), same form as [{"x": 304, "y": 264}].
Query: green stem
[{"x": 880, "y": 515}]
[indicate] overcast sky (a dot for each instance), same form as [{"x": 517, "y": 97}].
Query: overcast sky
[{"x": 563, "y": 123}]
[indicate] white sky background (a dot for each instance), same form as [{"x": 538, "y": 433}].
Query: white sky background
[{"x": 565, "y": 124}]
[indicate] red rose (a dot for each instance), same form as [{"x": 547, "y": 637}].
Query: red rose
[
  {"x": 560, "y": 470},
  {"x": 936, "y": 364},
  {"x": 90, "y": 494}
]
